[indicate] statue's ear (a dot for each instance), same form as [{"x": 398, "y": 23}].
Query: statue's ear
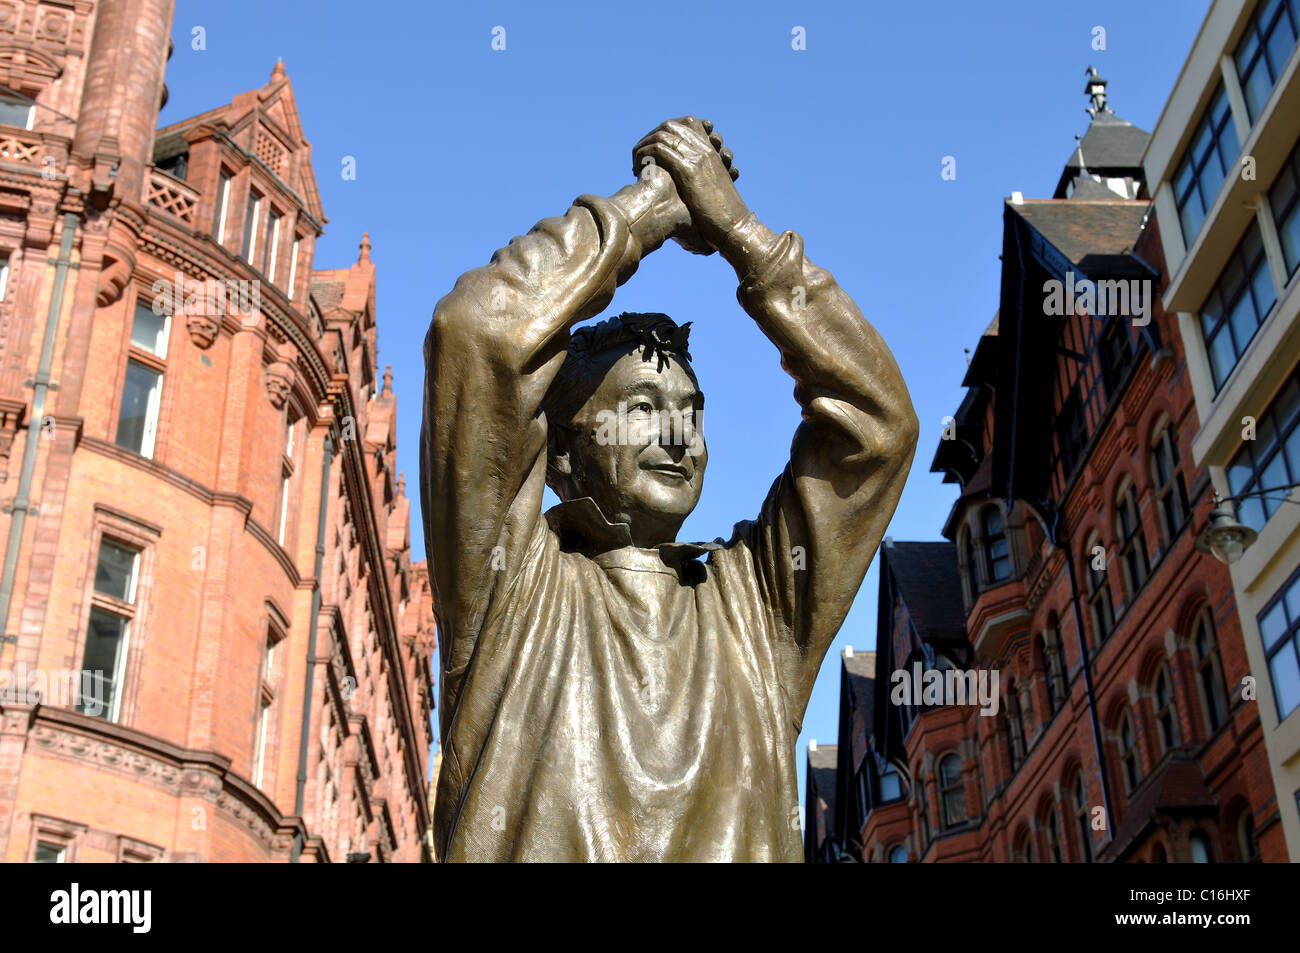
[{"x": 559, "y": 467}]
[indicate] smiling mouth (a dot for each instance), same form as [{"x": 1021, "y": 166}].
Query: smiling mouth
[{"x": 668, "y": 469}]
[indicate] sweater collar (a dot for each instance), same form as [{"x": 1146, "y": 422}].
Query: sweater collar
[{"x": 583, "y": 528}]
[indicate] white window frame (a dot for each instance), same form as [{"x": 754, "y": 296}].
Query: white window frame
[
  {"x": 293, "y": 265},
  {"x": 271, "y": 252},
  {"x": 222, "y": 202}
]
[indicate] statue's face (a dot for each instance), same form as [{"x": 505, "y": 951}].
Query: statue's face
[{"x": 637, "y": 448}]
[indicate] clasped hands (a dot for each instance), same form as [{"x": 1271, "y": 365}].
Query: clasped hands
[{"x": 690, "y": 184}]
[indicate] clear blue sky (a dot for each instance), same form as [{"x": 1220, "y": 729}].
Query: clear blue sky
[{"x": 458, "y": 148}]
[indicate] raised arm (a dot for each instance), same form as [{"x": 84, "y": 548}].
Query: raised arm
[{"x": 825, "y": 515}]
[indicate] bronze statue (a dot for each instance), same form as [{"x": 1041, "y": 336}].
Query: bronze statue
[{"x": 606, "y": 695}]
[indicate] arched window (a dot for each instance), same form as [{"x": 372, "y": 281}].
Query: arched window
[
  {"x": 1132, "y": 544},
  {"x": 972, "y": 566},
  {"x": 1052, "y": 661},
  {"x": 1012, "y": 724},
  {"x": 1130, "y": 763},
  {"x": 1167, "y": 478},
  {"x": 891, "y": 784},
  {"x": 1209, "y": 673},
  {"x": 898, "y": 854},
  {"x": 1023, "y": 852},
  {"x": 1081, "y": 818},
  {"x": 1246, "y": 836},
  {"x": 951, "y": 790},
  {"x": 1200, "y": 848},
  {"x": 1162, "y": 702},
  {"x": 1052, "y": 831},
  {"x": 922, "y": 811},
  {"x": 995, "y": 545},
  {"x": 1099, "y": 604}
]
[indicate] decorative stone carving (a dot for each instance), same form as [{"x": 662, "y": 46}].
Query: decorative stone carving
[
  {"x": 203, "y": 328},
  {"x": 279, "y": 382}
]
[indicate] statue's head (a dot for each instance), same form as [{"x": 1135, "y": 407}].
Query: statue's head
[{"x": 624, "y": 416}]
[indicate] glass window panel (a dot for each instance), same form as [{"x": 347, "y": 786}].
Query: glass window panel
[
  {"x": 1272, "y": 625},
  {"x": 104, "y": 639},
  {"x": 47, "y": 854},
  {"x": 1183, "y": 181},
  {"x": 1228, "y": 146},
  {"x": 1246, "y": 50},
  {"x": 115, "y": 571},
  {"x": 1292, "y": 601},
  {"x": 1265, "y": 437},
  {"x": 1222, "y": 357},
  {"x": 1244, "y": 323},
  {"x": 1191, "y": 215},
  {"x": 137, "y": 402},
  {"x": 1211, "y": 180},
  {"x": 1279, "y": 45},
  {"x": 149, "y": 330},
  {"x": 14, "y": 112},
  {"x": 1286, "y": 679},
  {"x": 1262, "y": 285},
  {"x": 1239, "y": 475},
  {"x": 1201, "y": 144}
]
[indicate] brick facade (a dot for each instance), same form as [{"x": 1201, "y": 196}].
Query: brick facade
[{"x": 256, "y": 501}]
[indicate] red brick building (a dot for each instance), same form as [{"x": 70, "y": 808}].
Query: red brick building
[
  {"x": 1124, "y": 729},
  {"x": 201, "y": 508}
]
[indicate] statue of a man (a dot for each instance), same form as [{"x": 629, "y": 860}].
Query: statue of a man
[{"x": 606, "y": 694}]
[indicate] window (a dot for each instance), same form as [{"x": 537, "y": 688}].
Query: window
[
  {"x": 972, "y": 566},
  {"x": 137, "y": 421},
  {"x": 266, "y": 701},
  {"x": 1013, "y": 727},
  {"x": 952, "y": 791},
  {"x": 1246, "y": 841},
  {"x": 4, "y": 276},
  {"x": 293, "y": 265},
  {"x": 1279, "y": 627},
  {"x": 250, "y": 226},
  {"x": 922, "y": 812},
  {"x": 1269, "y": 461},
  {"x": 1116, "y": 353},
  {"x": 112, "y": 610},
  {"x": 16, "y": 111},
  {"x": 219, "y": 215},
  {"x": 891, "y": 785},
  {"x": 1081, "y": 817},
  {"x": 1209, "y": 674},
  {"x": 1237, "y": 306},
  {"x": 898, "y": 854},
  {"x": 1070, "y": 433},
  {"x": 1052, "y": 831},
  {"x": 1167, "y": 478},
  {"x": 288, "y": 466},
  {"x": 1162, "y": 702},
  {"x": 47, "y": 853},
  {"x": 1052, "y": 660},
  {"x": 1023, "y": 852},
  {"x": 995, "y": 542},
  {"x": 1099, "y": 604},
  {"x": 1205, "y": 164},
  {"x": 1284, "y": 198},
  {"x": 1199, "y": 845},
  {"x": 1132, "y": 544},
  {"x": 1130, "y": 765},
  {"x": 1264, "y": 49},
  {"x": 272, "y": 245}
]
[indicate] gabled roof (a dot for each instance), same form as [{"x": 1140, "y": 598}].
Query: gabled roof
[
  {"x": 1096, "y": 235},
  {"x": 263, "y": 123}
]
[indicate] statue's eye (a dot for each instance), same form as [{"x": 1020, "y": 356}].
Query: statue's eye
[{"x": 643, "y": 406}]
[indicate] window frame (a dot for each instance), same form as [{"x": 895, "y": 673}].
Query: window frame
[
  {"x": 1133, "y": 558},
  {"x": 152, "y": 362},
  {"x": 1245, "y": 267},
  {"x": 952, "y": 791},
  {"x": 1099, "y": 595},
  {"x": 1168, "y": 735},
  {"x": 1255, "y": 465},
  {"x": 991, "y": 537},
  {"x": 1217, "y": 129},
  {"x": 1261, "y": 34},
  {"x": 1082, "y": 817},
  {"x": 1287, "y": 638},
  {"x": 1210, "y": 685}
]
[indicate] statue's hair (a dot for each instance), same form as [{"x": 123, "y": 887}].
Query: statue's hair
[
  {"x": 590, "y": 346},
  {"x": 626, "y": 332}
]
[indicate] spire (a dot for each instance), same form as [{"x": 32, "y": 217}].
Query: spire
[
  {"x": 388, "y": 381},
  {"x": 365, "y": 249},
  {"x": 277, "y": 71},
  {"x": 401, "y": 484},
  {"x": 1096, "y": 89}
]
